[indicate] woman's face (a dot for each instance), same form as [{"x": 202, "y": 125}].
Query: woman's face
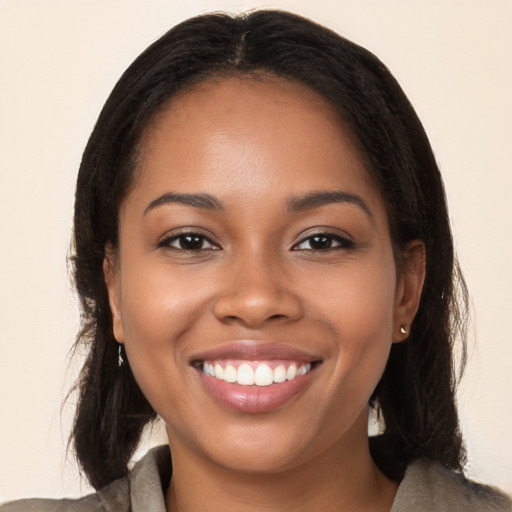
[{"x": 255, "y": 246}]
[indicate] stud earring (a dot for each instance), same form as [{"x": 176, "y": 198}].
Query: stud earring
[
  {"x": 403, "y": 330},
  {"x": 120, "y": 360}
]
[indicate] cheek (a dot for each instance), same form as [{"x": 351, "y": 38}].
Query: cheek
[
  {"x": 357, "y": 300},
  {"x": 157, "y": 309},
  {"x": 356, "y": 307},
  {"x": 158, "y": 305}
]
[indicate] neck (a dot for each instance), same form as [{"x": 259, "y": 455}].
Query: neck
[{"x": 344, "y": 478}]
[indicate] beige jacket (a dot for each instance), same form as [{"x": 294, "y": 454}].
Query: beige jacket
[{"x": 426, "y": 487}]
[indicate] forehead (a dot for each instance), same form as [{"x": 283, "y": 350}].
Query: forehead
[
  {"x": 257, "y": 105},
  {"x": 241, "y": 136}
]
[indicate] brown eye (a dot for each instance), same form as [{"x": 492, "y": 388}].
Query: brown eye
[
  {"x": 323, "y": 242},
  {"x": 189, "y": 242},
  {"x": 320, "y": 242}
]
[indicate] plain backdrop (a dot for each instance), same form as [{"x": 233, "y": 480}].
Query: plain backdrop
[{"x": 59, "y": 60}]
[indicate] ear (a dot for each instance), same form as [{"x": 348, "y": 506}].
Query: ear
[
  {"x": 113, "y": 281},
  {"x": 408, "y": 289}
]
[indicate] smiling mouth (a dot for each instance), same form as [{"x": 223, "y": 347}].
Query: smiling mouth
[
  {"x": 255, "y": 377},
  {"x": 254, "y": 373}
]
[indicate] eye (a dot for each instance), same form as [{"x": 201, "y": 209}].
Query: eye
[
  {"x": 189, "y": 242},
  {"x": 323, "y": 242}
]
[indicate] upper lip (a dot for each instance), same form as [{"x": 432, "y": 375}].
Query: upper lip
[{"x": 249, "y": 350}]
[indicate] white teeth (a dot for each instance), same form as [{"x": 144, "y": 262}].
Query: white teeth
[
  {"x": 262, "y": 375},
  {"x": 245, "y": 375},
  {"x": 219, "y": 371},
  {"x": 230, "y": 373},
  {"x": 291, "y": 373},
  {"x": 280, "y": 374},
  {"x": 208, "y": 369},
  {"x": 302, "y": 370}
]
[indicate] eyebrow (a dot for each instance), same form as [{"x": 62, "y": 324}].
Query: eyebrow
[
  {"x": 202, "y": 201},
  {"x": 294, "y": 204},
  {"x": 321, "y": 198}
]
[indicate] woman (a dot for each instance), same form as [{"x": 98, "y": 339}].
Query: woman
[{"x": 262, "y": 251}]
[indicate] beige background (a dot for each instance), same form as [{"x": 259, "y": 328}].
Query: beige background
[{"x": 58, "y": 61}]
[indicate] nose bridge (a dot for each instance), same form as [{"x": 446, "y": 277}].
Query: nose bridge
[{"x": 255, "y": 289}]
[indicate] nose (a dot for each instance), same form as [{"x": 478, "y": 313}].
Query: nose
[{"x": 257, "y": 291}]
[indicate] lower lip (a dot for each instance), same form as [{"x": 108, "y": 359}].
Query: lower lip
[{"x": 255, "y": 399}]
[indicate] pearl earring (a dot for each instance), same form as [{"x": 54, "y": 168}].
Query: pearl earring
[{"x": 403, "y": 330}]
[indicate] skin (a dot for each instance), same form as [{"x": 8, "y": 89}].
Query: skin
[{"x": 253, "y": 145}]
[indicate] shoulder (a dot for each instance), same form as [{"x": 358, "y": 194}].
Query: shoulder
[
  {"x": 115, "y": 497},
  {"x": 428, "y": 486},
  {"x": 141, "y": 490}
]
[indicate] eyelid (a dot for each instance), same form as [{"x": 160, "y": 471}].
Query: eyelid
[
  {"x": 175, "y": 234},
  {"x": 343, "y": 238}
]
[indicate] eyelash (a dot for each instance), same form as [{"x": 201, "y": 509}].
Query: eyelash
[
  {"x": 181, "y": 237},
  {"x": 200, "y": 239},
  {"x": 342, "y": 241}
]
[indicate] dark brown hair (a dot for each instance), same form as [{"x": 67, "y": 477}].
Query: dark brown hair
[{"x": 416, "y": 392}]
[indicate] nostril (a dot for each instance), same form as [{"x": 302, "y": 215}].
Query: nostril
[{"x": 277, "y": 317}]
